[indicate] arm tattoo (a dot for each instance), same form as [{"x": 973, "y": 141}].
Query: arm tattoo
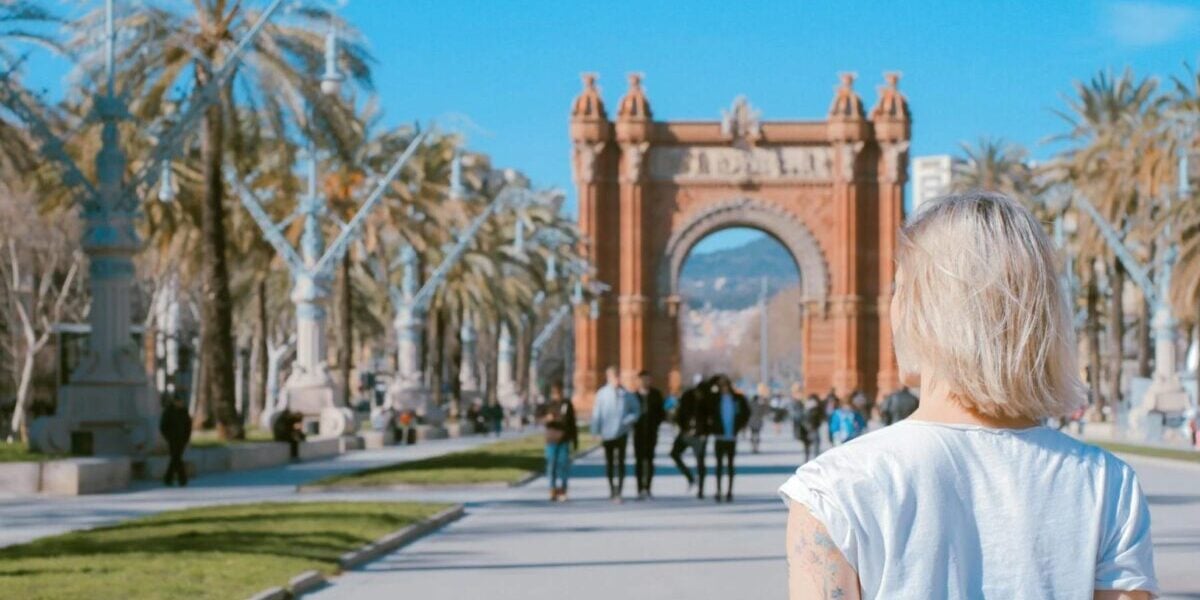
[{"x": 818, "y": 570}]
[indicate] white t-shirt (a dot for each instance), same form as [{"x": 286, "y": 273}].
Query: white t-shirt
[{"x": 930, "y": 510}]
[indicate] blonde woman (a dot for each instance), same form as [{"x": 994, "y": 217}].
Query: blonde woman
[{"x": 970, "y": 497}]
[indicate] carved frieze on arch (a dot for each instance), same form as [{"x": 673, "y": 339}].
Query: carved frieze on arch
[{"x": 758, "y": 214}]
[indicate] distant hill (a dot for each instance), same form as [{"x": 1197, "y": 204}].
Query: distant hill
[{"x": 731, "y": 279}]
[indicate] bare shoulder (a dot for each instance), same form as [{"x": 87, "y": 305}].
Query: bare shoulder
[{"x": 816, "y": 567}]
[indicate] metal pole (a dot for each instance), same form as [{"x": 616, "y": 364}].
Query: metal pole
[
  {"x": 762, "y": 318},
  {"x": 110, "y": 52}
]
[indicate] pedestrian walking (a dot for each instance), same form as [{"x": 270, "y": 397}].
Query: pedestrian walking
[
  {"x": 729, "y": 414},
  {"x": 832, "y": 401},
  {"x": 862, "y": 403},
  {"x": 613, "y": 415},
  {"x": 493, "y": 415},
  {"x": 760, "y": 408},
  {"x": 812, "y": 416},
  {"x": 651, "y": 413},
  {"x": 898, "y": 405},
  {"x": 691, "y": 417},
  {"x": 970, "y": 497},
  {"x": 562, "y": 440},
  {"x": 175, "y": 424},
  {"x": 846, "y": 424}
]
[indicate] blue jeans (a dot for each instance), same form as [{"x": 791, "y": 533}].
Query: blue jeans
[{"x": 558, "y": 464}]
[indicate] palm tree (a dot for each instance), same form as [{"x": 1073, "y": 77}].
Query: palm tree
[
  {"x": 276, "y": 78},
  {"x": 1112, "y": 159},
  {"x": 20, "y": 23},
  {"x": 1184, "y": 107},
  {"x": 997, "y": 165}
]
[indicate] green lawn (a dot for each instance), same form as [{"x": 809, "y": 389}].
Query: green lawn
[
  {"x": 217, "y": 552},
  {"x": 1154, "y": 451},
  {"x": 208, "y": 438},
  {"x": 506, "y": 461},
  {"x": 19, "y": 452}
]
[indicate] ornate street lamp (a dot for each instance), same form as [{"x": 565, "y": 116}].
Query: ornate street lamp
[
  {"x": 1166, "y": 394},
  {"x": 108, "y": 407}
]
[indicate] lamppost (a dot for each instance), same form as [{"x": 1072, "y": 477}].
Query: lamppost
[
  {"x": 411, "y": 305},
  {"x": 309, "y": 389},
  {"x": 108, "y": 407},
  {"x": 1166, "y": 394}
]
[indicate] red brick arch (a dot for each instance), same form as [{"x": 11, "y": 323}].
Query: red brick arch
[
  {"x": 764, "y": 216},
  {"x": 830, "y": 191}
]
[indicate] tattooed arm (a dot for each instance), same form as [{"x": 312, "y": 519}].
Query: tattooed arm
[{"x": 816, "y": 568}]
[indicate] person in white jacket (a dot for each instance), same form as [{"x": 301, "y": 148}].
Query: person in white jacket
[{"x": 613, "y": 414}]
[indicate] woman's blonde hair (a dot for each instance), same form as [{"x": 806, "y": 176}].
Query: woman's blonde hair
[{"x": 981, "y": 307}]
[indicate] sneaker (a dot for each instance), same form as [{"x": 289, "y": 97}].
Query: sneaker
[
  {"x": 617, "y": 500},
  {"x": 562, "y": 495},
  {"x": 554, "y": 495},
  {"x": 729, "y": 497}
]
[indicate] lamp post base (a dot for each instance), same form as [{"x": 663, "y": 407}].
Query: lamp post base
[
  {"x": 1165, "y": 396},
  {"x": 100, "y": 419},
  {"x": 316, "y": 399}
]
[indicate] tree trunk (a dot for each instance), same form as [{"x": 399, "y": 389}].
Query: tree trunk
[
  {"x": 522, "y": 341},
  {"x": 261, "y": 354},
  {"x": 201, "y": 407},
  {"x": 345, "y": 350},
  {"x": 1093, "y": 337},
  {"x": 438, "y": 352},
  {"x": 454, "y": 363},
  {"x": 216, "y": 345},
  {"x": 1143, "y": 338},
  {"x": 20, "y": 425},
  {"x": 1117, "y": 323}
]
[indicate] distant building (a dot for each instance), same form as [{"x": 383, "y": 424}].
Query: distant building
[{"x": 932, "y": 177}]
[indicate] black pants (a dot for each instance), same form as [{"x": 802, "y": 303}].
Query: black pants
[
  {"x": 614, "y": 464},
  {"x": 725, "y": 451},
  {"x": 643, "y": 459},
  {"x": 812, "y": 442},
  {"x": 176, "y": 469},
  {"x": 697, "y": 443}
]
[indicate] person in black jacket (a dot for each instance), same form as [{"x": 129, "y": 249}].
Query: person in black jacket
[
  {"x": 691, "y": 417},
  {"x": 728, "y": 414},
  {"x": 645, "y": 432},
  {"x": 176, "y": 427},
  {"x": 898, "y": 406}
]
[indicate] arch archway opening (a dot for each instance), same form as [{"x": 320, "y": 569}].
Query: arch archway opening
[{"x": 737, "y": 287}]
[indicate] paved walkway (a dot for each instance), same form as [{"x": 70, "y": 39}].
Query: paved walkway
[
  {"x": 674, "y": 546},
  {"x": 512, "y": 539},
  {"x": 26, "y": 517}
]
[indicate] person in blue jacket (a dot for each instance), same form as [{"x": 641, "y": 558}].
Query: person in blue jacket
[{"x": 846, "y": 423}]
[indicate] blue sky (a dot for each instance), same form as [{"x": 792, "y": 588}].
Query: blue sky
[{"x": 970, "y": 68}]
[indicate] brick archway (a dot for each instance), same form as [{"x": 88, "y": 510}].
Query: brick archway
[
  {"x": 830, "y": 191},
  {"x": 755, "y": 214}
]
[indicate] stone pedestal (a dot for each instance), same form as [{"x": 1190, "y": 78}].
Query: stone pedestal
[
  {"x": 1166, "y": 394},
  {"x": 109, "y": 408},
  {"x": 468, "y": 375},
  {"x": 506, "y": 376}
]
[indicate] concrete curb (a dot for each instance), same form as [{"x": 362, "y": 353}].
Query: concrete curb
[
  {"x": 306, "y": 582},
  {"x": 402, "y": 537},
  {"x": 309, "y": 581},
  {"x": 275, "y": 593}
]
